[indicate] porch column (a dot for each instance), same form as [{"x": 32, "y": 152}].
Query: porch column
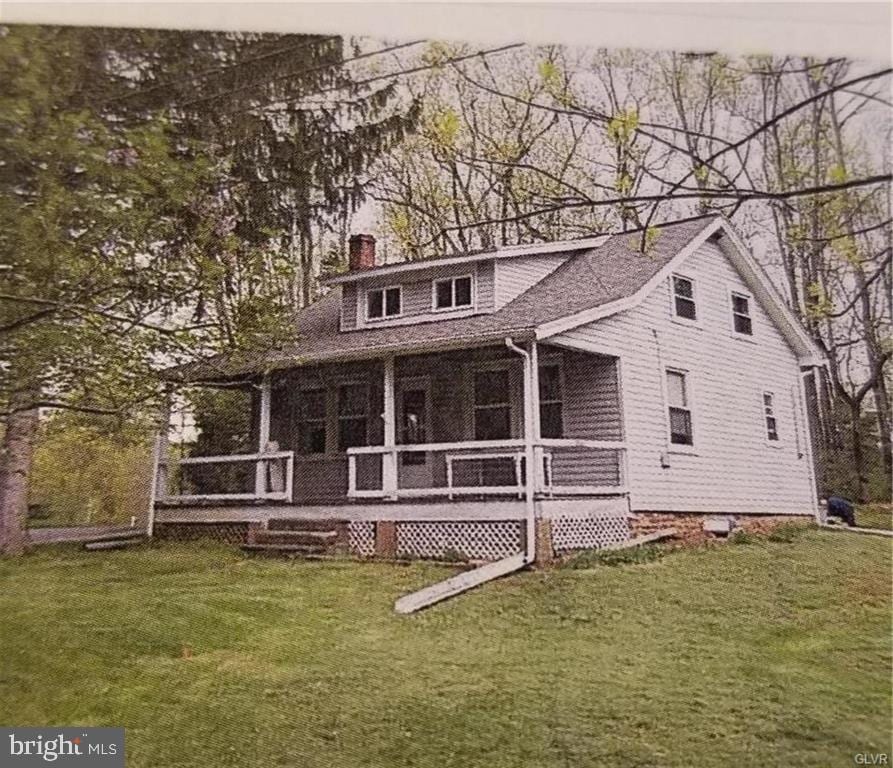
[
  {"x": 260, "y": 469},
  {"x": 159, "y": 464},
  {"x": 531, "y": 436},
  {"x": 539, "y": 473},
  {"x": 389, "y": 459}
]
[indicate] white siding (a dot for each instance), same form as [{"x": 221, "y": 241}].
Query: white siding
[
  {"x": 733, "y": 468},
  {"x": 515, "y": 276},
  {"x": 417, "y": 295}
]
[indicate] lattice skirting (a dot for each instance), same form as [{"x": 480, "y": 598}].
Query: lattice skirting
[
  {"x": 474, "y": 540},
  {"x": 361, "y": 537},
  {"x": 590, "y": 532}
]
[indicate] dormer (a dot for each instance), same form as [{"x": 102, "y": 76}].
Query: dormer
[
  {"x": 376, "y": 296},
  {"x": 435, "y": 292}
]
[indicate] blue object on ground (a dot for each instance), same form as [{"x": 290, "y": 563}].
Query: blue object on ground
[{"x": 842, "y": 508}]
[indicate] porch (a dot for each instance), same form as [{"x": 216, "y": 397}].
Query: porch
[{"x": 445, "y": 427}]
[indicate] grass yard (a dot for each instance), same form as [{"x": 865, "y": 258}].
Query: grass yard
[
  {"x": 875, "y": 516},
  {"x": 773, "y": 653}
]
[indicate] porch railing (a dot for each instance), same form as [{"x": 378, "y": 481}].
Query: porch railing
[
  {"x": 486, "y": 467},
  {"x": 240, "y": 477}
]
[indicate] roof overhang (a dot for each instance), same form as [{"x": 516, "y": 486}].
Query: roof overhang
[
  {"x": 509, "y": 252},
  {"x": 375, "y": 352}
]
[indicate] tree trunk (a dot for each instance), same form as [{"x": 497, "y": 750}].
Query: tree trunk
[
  {"x": 858, "y": 456},
  {"x": 883, "y": 417},
  {"x": 16, "y": 454}
]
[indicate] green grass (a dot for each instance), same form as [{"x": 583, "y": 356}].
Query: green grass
[
  {"x": 875, "y": 516},
  {"x": 777, "y": 653}
]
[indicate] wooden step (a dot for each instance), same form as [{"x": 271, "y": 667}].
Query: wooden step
[
  {"x": 288, "y": 550},
  {"x": 109, "y": 543},
  {"x": 294, "y": 524},
  {"x": 295, "y": 537}
]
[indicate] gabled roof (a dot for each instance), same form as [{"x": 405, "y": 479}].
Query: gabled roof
[
  {"x": 739, "y": 255},
  {"x": 593, "y": 282}
]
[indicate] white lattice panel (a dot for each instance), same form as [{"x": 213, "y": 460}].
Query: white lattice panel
[
  {"x": 473, "y": 540},
  {"x": 361, "y": 537},
  {"x": 590, "y": 532}
]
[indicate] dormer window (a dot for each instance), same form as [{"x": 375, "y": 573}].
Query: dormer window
[
  {"x": 453, "y": 293},
  {"x": 384, "y": 302}
]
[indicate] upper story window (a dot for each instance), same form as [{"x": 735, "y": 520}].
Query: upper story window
[
  {"x": 384, "y": 302},
  {"x": 551, "y": 420},
  {"x": 741, "y": 319},
  {"x": 769, "y": 412},
  {"x": 453, "y": 293},
  {"x": 678, "y": 401},
  {"x": 684, "y": 298}
]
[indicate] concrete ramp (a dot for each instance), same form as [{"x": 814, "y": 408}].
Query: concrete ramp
[{"x": 459, "y": 583}]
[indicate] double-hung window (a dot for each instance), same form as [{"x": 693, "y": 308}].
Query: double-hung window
[
  {"x": 684, "y": 298},
  {"x": 551, "y": 420},
  {"x": 453, "y": 293},
  {"x": 312, "y": 421},
  {"x": 492, "y": 405},
  {"x": 353, "y": 412},
  {"x": 769, "y": 414},
  {"x": 678, "y": 401},
  {"x": 741, "y": 319},
  {"x": 384, "y": 302}
]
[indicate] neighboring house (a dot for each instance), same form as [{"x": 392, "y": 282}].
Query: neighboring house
[{"x": 402, "y": 419}]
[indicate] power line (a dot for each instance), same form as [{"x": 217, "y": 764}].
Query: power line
[
  {"x": 299, "y": 73},
  {"x": 220, "y": 70},
  {"x": 387, "y": 76}
]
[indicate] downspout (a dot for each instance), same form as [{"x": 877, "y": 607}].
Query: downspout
[
  {"x": 662, "y": 372},
  {"x": 529, "y": 448},
  {"x": 464, "y": 581},
  {"x": 820, "y": 512}
]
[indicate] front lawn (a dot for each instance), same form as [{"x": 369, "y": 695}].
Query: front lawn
[
  {"x": 875, "y": 516},
  {"x": 761, "y": 654}
]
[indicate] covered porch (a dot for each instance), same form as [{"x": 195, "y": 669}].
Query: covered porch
[{"x": 429, "y": 428}]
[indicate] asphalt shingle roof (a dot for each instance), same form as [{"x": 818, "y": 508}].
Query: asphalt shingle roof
[{"x": 588, "y": 279}]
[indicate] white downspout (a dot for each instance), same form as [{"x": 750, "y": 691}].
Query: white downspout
[
  {"x": 464, "y": 581},
  {"x": 529, "y": 447}
]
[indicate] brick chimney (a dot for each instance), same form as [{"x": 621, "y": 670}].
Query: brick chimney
[{"x": 361, "y": 252}]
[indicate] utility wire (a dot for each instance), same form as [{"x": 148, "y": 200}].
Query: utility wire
[
  {"x": 220, "y": 70},
  {"x": 298, "y": 73}
]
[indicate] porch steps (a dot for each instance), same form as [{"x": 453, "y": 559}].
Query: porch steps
[{"x": 310, "y": 539}]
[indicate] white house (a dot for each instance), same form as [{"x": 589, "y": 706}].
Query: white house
[{"x": 402, "y": 418}]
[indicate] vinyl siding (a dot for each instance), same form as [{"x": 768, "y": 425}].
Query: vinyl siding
[
  {"x": 590, "y": 411},
  {"x": 733, "y": 468},
  {"x": 417, "y": 295},
  {"x": 515, "y": 276},
  {"x": 348, "y": 307}
]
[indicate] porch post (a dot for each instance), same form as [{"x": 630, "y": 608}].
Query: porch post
[
  {"x": 159, "y": 461},
  {"x": 260, "y": 468},
  {"x": 389, "y": 459},
  {"x": 538, "y": 475},
  {"x": 531, "y": 412}
]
